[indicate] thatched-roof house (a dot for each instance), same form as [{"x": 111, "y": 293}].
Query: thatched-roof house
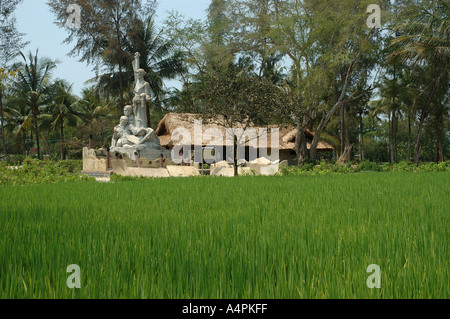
[{"x": 172, "y": 121}]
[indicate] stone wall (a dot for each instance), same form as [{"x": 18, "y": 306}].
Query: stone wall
[
  {"x": 149, "y": 163},
  {"x": 92, "y": 163}
]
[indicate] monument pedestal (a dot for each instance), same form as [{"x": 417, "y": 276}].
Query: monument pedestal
[{"x": 146, "y": 153}]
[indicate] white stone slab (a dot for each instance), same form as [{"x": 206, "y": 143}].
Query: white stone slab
[
  {"x": 269, "y": 170},
  {"x": 182, "y": 171},
  {"x": 229, "y": 171},
  {"x": 120, "y": 167},
  {"x": 261, "y": 161},
  {"x": 149, "y": 172}
]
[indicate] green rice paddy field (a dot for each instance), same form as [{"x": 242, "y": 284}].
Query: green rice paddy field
[{"x": 246, "y": 237}]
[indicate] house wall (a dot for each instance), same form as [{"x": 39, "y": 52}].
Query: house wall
[
  {"x": 284, "y": 154},
  {"x": 288, "y": 155}
]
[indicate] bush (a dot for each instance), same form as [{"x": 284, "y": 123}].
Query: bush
[
  {"x": 34, "y": 171},
  {"x": 367, "y": 165},
  {"x": 341, "y": 169},
  {"x": 423, "y": 167},
  {"x": 434, "y": 167},
  {"x": 364, "y": 166},
  {"x": 15, "y": 160},
  {"x": 119, "y": 178},
  {"x": 404, "y": 167},
  {"x": 443, "y": 166},
  {"x": 307, "y": 169},
  {"x": 71, "y": 166}
]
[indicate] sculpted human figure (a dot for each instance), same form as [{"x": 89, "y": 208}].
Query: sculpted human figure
[
  {"x": 132, "y": 134},
  {"x": 144, "y": 134},
  {"x": 128, "y": 112},
  {"x": 121, "y": 133},
  {"x": 142, "y": 94}
]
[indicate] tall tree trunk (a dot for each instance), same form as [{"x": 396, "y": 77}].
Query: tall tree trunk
[
  {"x": 31, "y": 140},
  {"x": 3, "y": 123},
  {"x": 361, "y": 134},
  {"x": 235, "y": 160},
  {"x": 423, "y": 115},
  {"x": 122, "y": 102},
  {"x": 120, "y": 60},
  {"x": 390, "y": 153},
  {"x": 342, "y": 127},
  {"x": 409, "y": 136},
  {"x": 318, "y": 132},
  {"x": 394, "y": 121},
  {"x": 347, "y": 138},
  {"x": 346, "y": 155},
  {"x": 24, "y": 142},
  {"x": 300, "y": 146},
  {"x": 36, "y": 128},
  {"x": 439, "y": 152},
  {"x": 62, "y": 138},
  {"x": 327, "y": 117},
  {"x": 300, "y": 139}
]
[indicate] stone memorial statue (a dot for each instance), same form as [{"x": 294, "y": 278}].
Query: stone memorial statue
[
  {"x": 132, "y": 134},
  {"x": 141, "y": 93}
]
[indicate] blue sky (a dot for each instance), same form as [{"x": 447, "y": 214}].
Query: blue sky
[{"x": 35, "y": 19}]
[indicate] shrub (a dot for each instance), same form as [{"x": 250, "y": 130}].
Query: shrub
[
  {"x": 71, "y": 166},
  {"x": 367, "y": 165},
  {"x": 15, "y": 160},
  {"x": 404, "y": 167},
  {"x": 34, "y": 171},
  {"x": 120, "y": 178}
]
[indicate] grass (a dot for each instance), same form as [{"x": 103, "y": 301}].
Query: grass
[{"x": 247, "y": 237}]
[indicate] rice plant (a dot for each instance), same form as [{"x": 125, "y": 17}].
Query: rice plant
[{"x": 246, "y": 237}]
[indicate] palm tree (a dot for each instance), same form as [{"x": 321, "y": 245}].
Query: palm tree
[
  {"x": 424, "y": 41},
  {"x": 425, "y": 36},
  {"x": 61, "y": 111},
  {"x": 409, "y": 97},
  {"x": 2, "y": 118},
  {"x": 95, "y": 111},
  {"x": 157, "y": 58},
  {"x": 33, "y": 82},
  {"x": 19, "y": 118},
  {"x": 24, "y": 123}
]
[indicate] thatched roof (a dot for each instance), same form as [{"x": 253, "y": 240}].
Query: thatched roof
[
  {"x": 287, "y": 139},
  {"x": 172, "y": 121}
]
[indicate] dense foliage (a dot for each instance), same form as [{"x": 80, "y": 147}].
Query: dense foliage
[
  {"x": 379, "y": 93},
  {"x": 325, "y": 168},
  {"x": 33, "y": 171}
]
